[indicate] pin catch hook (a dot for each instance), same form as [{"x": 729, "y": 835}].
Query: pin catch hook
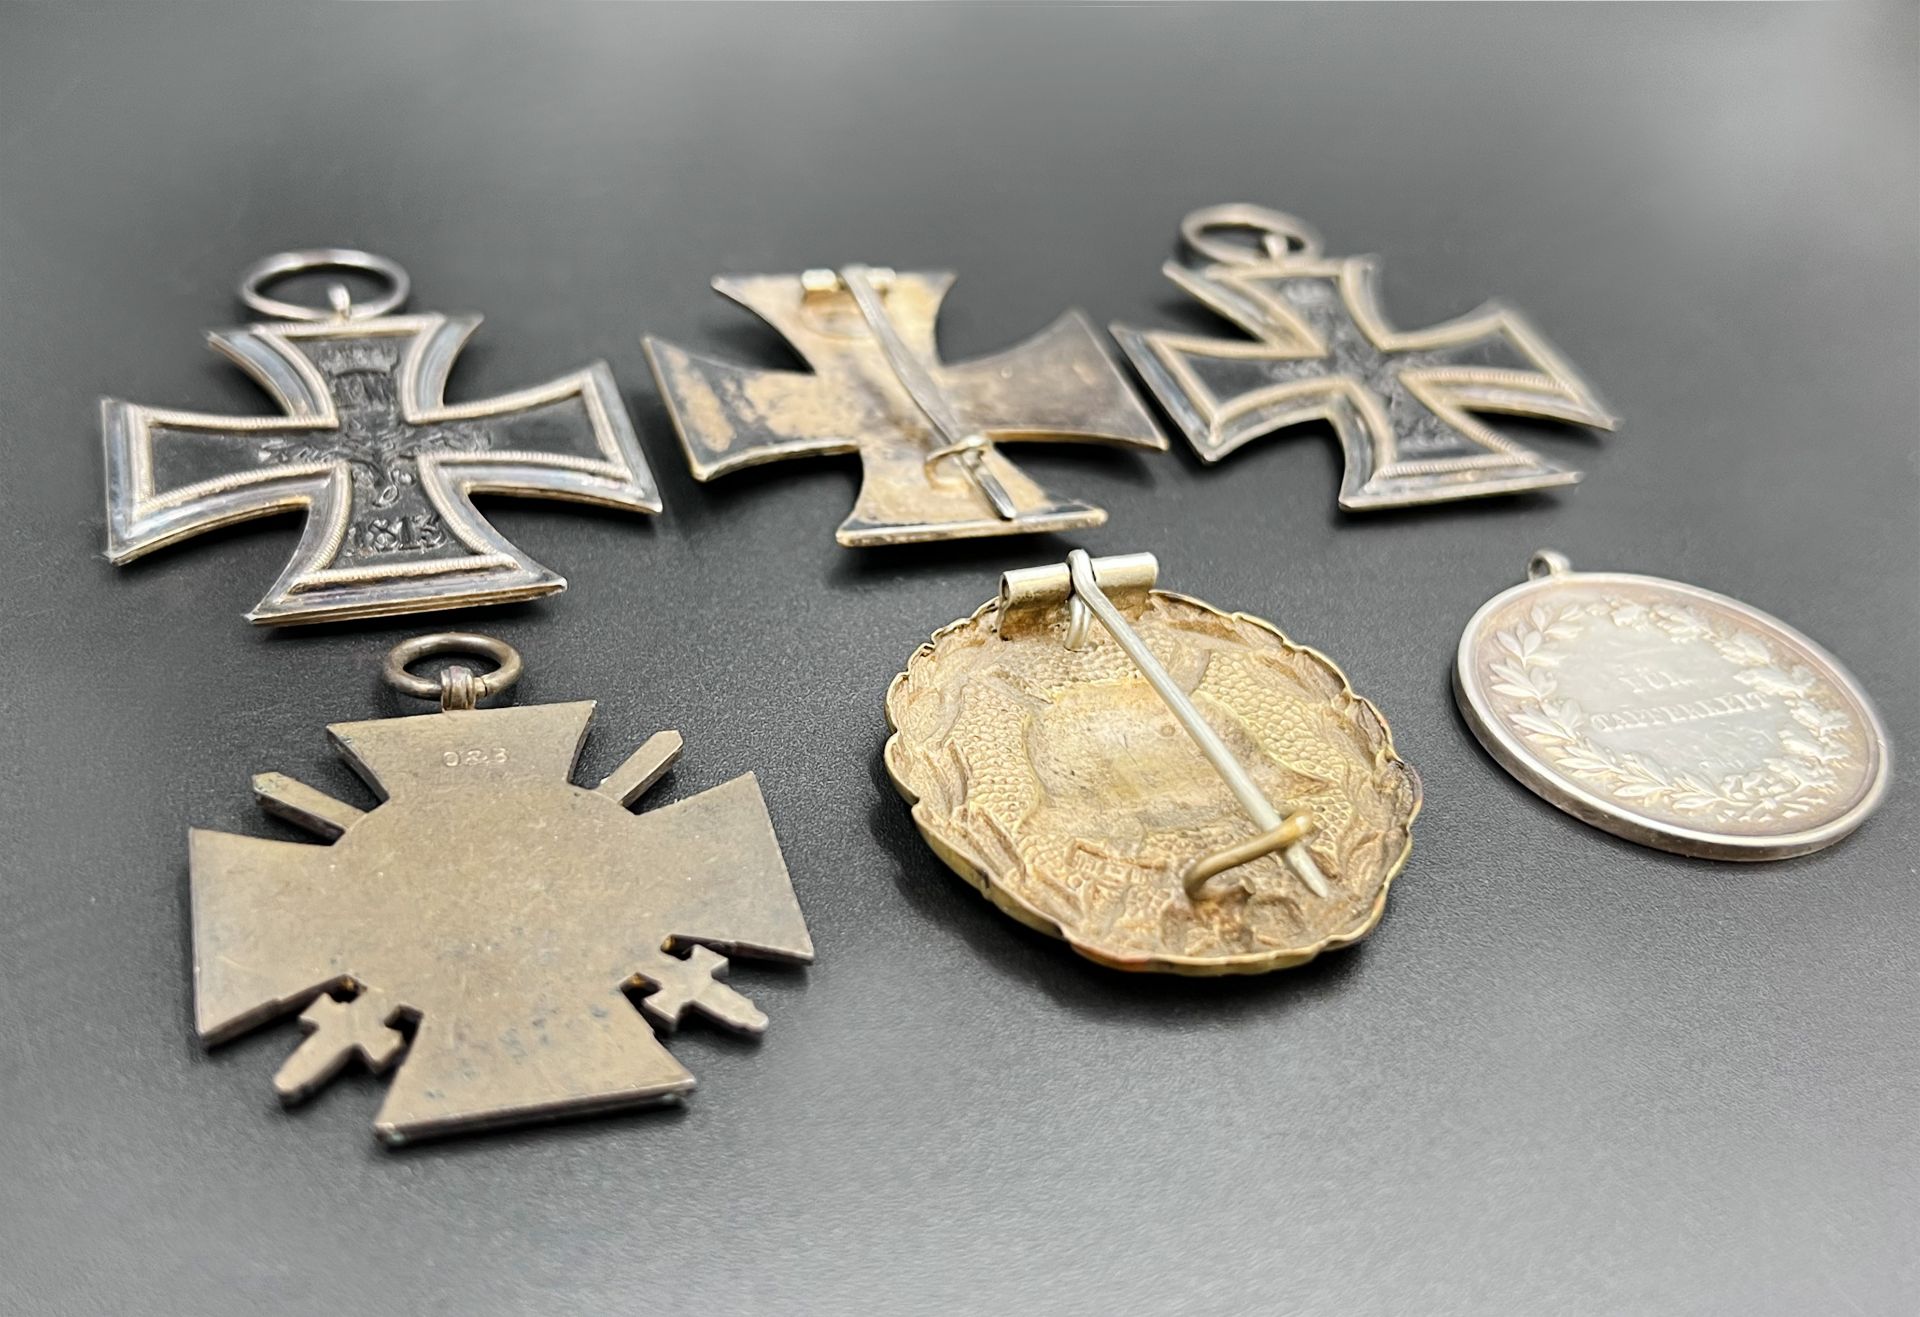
[{"x": 1087, "y": 602}]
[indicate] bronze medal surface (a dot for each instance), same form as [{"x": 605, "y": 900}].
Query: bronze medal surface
[
  {"x": 480, "y": 931},
  {"x": 1056, "y": 781}
]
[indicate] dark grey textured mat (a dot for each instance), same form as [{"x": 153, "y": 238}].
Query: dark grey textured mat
[{"x": 1566, "y": 1075}]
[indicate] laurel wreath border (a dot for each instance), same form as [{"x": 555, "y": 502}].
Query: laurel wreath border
[
  {"x": 963, "y": 860},
  {"x": 1787, "y": 786}
]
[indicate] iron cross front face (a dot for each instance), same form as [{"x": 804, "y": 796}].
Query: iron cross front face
[
  {"x": 383, "y": 467},
  {"x": 489, "y": 918},
  {"x": 926, "y": 432},
  {"x": 1402, "y": 403}
]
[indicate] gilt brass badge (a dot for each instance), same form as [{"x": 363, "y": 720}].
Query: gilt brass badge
[{"x": 1176, "y": 789}]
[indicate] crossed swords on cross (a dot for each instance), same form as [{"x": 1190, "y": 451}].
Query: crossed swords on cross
[{"x": 363, "y": 1025}]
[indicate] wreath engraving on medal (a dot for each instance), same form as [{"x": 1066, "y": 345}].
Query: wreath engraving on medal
[
  {"x": 1788, "y": 784},
  {"x": 1670, "y": 715}
]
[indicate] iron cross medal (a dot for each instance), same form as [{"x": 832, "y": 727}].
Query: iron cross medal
[
  {"x": 927, "y": 433},
  {"x": 1670, "y": 715},
  {"x": 367, "y": 448},
  {"x": 484, "y": 925},
  {"x": 1402, "y": 403}
]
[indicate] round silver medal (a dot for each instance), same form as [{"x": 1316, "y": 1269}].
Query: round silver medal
[{"x": 1670, "y": 715}]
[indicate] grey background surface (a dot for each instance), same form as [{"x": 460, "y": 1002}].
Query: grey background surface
[{"x": 1566, "y": 1075}]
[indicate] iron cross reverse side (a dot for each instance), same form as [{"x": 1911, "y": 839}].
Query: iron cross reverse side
[
  {"x": 926, "y": 432},
  {"x": 1401, "y": 402},
  {"x": 383, "y": 467}
]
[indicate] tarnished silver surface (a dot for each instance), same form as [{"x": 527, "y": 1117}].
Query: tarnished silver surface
[
  {"x": 340, "y": 304},
  {"x": 488, "y": 924},
  {"x": 382, "y": 466},
  {"x": 1401, "y": 401},
  {"x": 1670, "y": 715},
  {"x": 928, "y": 433}
]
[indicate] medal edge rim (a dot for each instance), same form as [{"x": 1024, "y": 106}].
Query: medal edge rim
[{"x": 1642, "y": 829}]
